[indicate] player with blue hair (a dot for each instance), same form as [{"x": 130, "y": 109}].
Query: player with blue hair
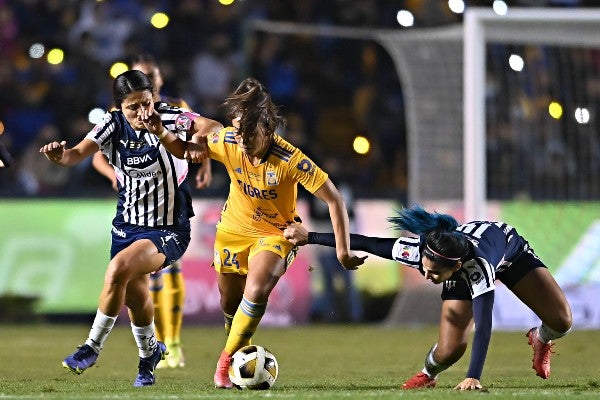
[{"x": 466, "y": 259}]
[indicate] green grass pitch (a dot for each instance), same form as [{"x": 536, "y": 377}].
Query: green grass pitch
[{"x": 316, "y": 362}]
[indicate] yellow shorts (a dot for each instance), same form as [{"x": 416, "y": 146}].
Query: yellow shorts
[{"x": 233, "y": 251}]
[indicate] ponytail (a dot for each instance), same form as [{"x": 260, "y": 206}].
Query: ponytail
[
  {"x": 443, "y": 244},
  {"x": 417, "y": 220}
]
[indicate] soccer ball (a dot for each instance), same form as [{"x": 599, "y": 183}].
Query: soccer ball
[{"x": 253, "y": 367}]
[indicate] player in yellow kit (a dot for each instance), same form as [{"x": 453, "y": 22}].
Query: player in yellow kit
[{"x": 251, "y": 253}]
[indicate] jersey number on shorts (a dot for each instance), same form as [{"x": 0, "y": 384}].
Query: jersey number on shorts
[{"x": 230, "y": 260}]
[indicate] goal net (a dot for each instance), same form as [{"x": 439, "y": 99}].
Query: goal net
[{"x": 501, "y": 117}]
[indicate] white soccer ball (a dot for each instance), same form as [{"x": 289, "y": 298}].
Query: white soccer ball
[{"x": 253, "y": 367}]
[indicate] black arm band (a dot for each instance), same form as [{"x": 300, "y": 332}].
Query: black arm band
[
  {"x": 381, "y": 247},
  {"x": 325, "y": 239}
]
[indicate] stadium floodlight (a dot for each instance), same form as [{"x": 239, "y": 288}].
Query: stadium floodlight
[
  {"x": 531, "y": 26},
  {"x": 443, "y": 76}
]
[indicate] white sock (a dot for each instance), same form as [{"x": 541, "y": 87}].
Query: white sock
[
  {"x": 145, "y": 338},
  {"x": 101, "y": 327},
  {"x": 546, "y": 334}
]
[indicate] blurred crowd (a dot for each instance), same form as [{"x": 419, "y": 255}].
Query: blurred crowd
[
  {"x": 329, "y": 90},
  {"x": 530, "y": 153},
  {"x": 341, "y": 90}
]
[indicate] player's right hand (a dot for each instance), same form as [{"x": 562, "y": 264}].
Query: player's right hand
[
  {"x": 296, "y": 234},
  {"x": 469, "y": 384},
  {"x": 54, "y": 151}
]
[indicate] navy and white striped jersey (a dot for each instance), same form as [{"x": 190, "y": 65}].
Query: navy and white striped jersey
[
  {"x": 494, "y": 246},
  {"x": 152, "y": 188}
]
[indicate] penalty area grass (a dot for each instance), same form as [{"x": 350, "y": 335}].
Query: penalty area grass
[{"x": 316, "y": 362}]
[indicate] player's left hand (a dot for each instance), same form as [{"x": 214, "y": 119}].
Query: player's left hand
[
  {"x": 151, "y": 120},
  {"x": 196, "y": 151},
  {"x": 469, "y": 384},
  {"x": 351, "y": 261}
]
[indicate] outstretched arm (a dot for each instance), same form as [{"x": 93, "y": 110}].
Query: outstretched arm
[
  {"x": 482, "y": 314},
  {"x": 341, "y": 226},
  {"x": 203, "y": 126},
  {"x": 381, "y": 247},
  {"x": 200, "y": 129},
  {"x": 59, "y": 154}
]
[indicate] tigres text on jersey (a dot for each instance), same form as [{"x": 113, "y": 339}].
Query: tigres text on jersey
[{"x": 262, "y": 199}]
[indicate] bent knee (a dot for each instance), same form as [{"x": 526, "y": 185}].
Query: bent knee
[
  {"x": 257, "y": 293},
  {"x": 117, "y": 272}
]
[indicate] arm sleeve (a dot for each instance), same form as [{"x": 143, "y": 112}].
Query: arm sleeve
[
  {"x": 482, "y": 313},
  {"x": 381, "y": 247}
]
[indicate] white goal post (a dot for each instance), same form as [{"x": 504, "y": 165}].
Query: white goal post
[
  {"x": 443, "y": 76},
  {"x": 442, "y": 73},
  {"x": 539, "y": 26}
]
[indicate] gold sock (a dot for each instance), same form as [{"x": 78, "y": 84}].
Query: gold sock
[
  {"x": 244, "y": 324},
  {"x": 228, "y": 320},
  {"x": 175, "y": 293},
  {"x": 156, "y": 293}
]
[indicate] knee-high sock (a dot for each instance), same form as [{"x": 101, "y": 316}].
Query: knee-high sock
[
  {"x": 157, "y": 294},
  {"x": 546, "y": 334},
  {"x": 173, "y": 299},
  {"x": 244, "y": 324},
  {"x": 101, "y": 327},
  {"x": 228, "y": 320},
  {"x": 145, "y": 339}
]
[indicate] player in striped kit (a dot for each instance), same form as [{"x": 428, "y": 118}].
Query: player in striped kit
[
  {"x": 467, "y": 259},
  {"x": 251, "y": 253},
  {"x": 167, "y": 286},
  {"x": 151, "y": 229}
]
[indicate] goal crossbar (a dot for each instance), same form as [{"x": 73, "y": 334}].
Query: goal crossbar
[{"x": 569, "y": 27}]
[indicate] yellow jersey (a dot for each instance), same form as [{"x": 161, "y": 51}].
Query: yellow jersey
[{"x": 262, "y": 198}]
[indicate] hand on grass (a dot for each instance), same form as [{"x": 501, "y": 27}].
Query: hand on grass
[{"x": 469, "y": 384}]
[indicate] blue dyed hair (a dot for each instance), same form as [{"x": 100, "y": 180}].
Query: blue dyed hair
[
  {"x": 417, "y": 220},
  {"x": 444, "y": 245}
]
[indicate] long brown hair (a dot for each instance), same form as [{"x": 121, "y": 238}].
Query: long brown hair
[{"x": 252, "y": 103}]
